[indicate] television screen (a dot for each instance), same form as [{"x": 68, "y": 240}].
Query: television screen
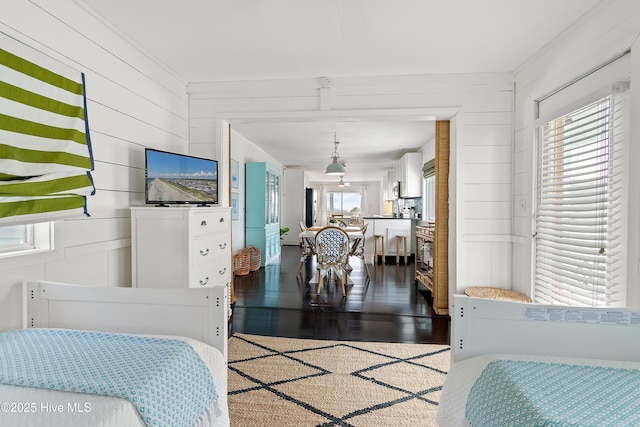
[{"x": 178, "y": 178}]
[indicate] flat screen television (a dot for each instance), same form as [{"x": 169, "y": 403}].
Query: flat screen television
[{"x": 172, "y": 178}]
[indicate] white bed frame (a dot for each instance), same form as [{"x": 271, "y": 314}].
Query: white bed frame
[
  {"x": 483, "y": 326},
  {"x": 201, "y": 314}
]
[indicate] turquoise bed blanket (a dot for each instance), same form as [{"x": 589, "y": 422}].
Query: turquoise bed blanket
[
  {"x": 165, "y": 379},
  {"x": 524, "y": 393}
]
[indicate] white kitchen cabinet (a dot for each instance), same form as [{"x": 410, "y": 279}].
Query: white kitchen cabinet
[
  {"x": 180, "y": 247},
  {"x": 409, "y": 173},
  {"x": 388, "y": 181}
]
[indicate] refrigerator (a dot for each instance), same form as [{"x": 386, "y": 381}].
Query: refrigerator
[{"x": 310, "y": 207}]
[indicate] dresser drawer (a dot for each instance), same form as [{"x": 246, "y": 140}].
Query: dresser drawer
[
  {"x": 212, "y": 273},
  {"x": 208, "y": 247},
  {"x": 209, "y": 222}
]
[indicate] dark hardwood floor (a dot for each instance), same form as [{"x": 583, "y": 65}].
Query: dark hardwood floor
[{"x": 390, "y": 308}]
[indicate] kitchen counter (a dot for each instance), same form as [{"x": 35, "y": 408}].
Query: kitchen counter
[
  {"x": 390, "y": 227},
  {"x": 388, "y": 217}
]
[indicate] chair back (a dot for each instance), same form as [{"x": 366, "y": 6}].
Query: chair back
[
  {"x": 332, "y": 245},
  {"x": 302, "y": 226},
  {"x": 358, "y": 250}
]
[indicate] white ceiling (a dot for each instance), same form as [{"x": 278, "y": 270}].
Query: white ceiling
[
  {"x": 280, "y": 39},
  {"x": 366, "y": 147}
]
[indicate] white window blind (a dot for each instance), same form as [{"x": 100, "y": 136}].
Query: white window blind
[{"x": 580, "y": 224}]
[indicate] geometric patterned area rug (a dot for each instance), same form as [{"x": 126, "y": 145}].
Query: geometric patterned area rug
[{"x": 298, "y": 382}]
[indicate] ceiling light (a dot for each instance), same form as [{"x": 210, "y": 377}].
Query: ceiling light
[
  {"x": 342, "y": 184},
  {"x": 335, "y": 168}
]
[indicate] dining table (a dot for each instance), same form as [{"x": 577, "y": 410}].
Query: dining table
[
  {"x": 352, "y": 231},
  {"x": 355, "y": 236}
]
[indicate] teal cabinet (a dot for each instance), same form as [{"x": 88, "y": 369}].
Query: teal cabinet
[{"x": 262, "y": 216}]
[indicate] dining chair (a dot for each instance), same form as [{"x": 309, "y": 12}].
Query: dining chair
[
  {"x": 307, "y": 247},
  {"x": 357, "y": 250},
  {"x": 332, "y": 253}
]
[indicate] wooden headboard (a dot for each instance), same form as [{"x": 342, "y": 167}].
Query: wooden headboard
[{"x": 201, "y": 314}]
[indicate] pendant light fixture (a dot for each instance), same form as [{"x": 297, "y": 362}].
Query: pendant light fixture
[{"x": 335, "y": 168}]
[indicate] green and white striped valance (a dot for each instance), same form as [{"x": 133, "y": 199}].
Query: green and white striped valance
[{"x": 45, "y": 150}]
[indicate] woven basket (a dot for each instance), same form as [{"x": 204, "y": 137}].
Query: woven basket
[
  {"x": 254, "y": 258},
  {"x": 241, "y": 263}
]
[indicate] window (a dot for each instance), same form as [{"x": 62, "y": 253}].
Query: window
[
  {"x": 429, "y": 190},
  {"x": 23, "y": 239},
  {"x": 429, "y": 198},
  {"x": 580, "y": 219},
  {"x": 343, "y": 203}
]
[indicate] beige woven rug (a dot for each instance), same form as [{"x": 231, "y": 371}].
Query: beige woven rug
[{"x": 295, "y": 382}]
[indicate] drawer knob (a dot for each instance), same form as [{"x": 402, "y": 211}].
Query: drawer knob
[
  {"x": 222, "y": 219},
  {"x": 205, "y": 252},
  {"x": 204, "y": 282},
  {"x": 203, "y": 223},
  {"x": 221, "y": 272},
  {"x": 223, "y": 245}
]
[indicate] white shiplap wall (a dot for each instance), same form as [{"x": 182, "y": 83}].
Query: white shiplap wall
[
  {"x": 481, "y": 109},
  {"x": 611, "y": 28},
  {"x": 133, "y": 102}
]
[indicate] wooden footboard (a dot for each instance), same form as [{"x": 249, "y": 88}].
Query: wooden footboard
[
  {"x": 200, "y": 314},
  {"x": 483, "y": 326}
]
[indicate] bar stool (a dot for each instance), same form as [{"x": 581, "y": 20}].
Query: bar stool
[
  {"x": 401, "y": 238},
  {"x": 378, "y": 238}
]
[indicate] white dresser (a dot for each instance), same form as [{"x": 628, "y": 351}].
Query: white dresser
[{"x": 180, "y": 247}]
